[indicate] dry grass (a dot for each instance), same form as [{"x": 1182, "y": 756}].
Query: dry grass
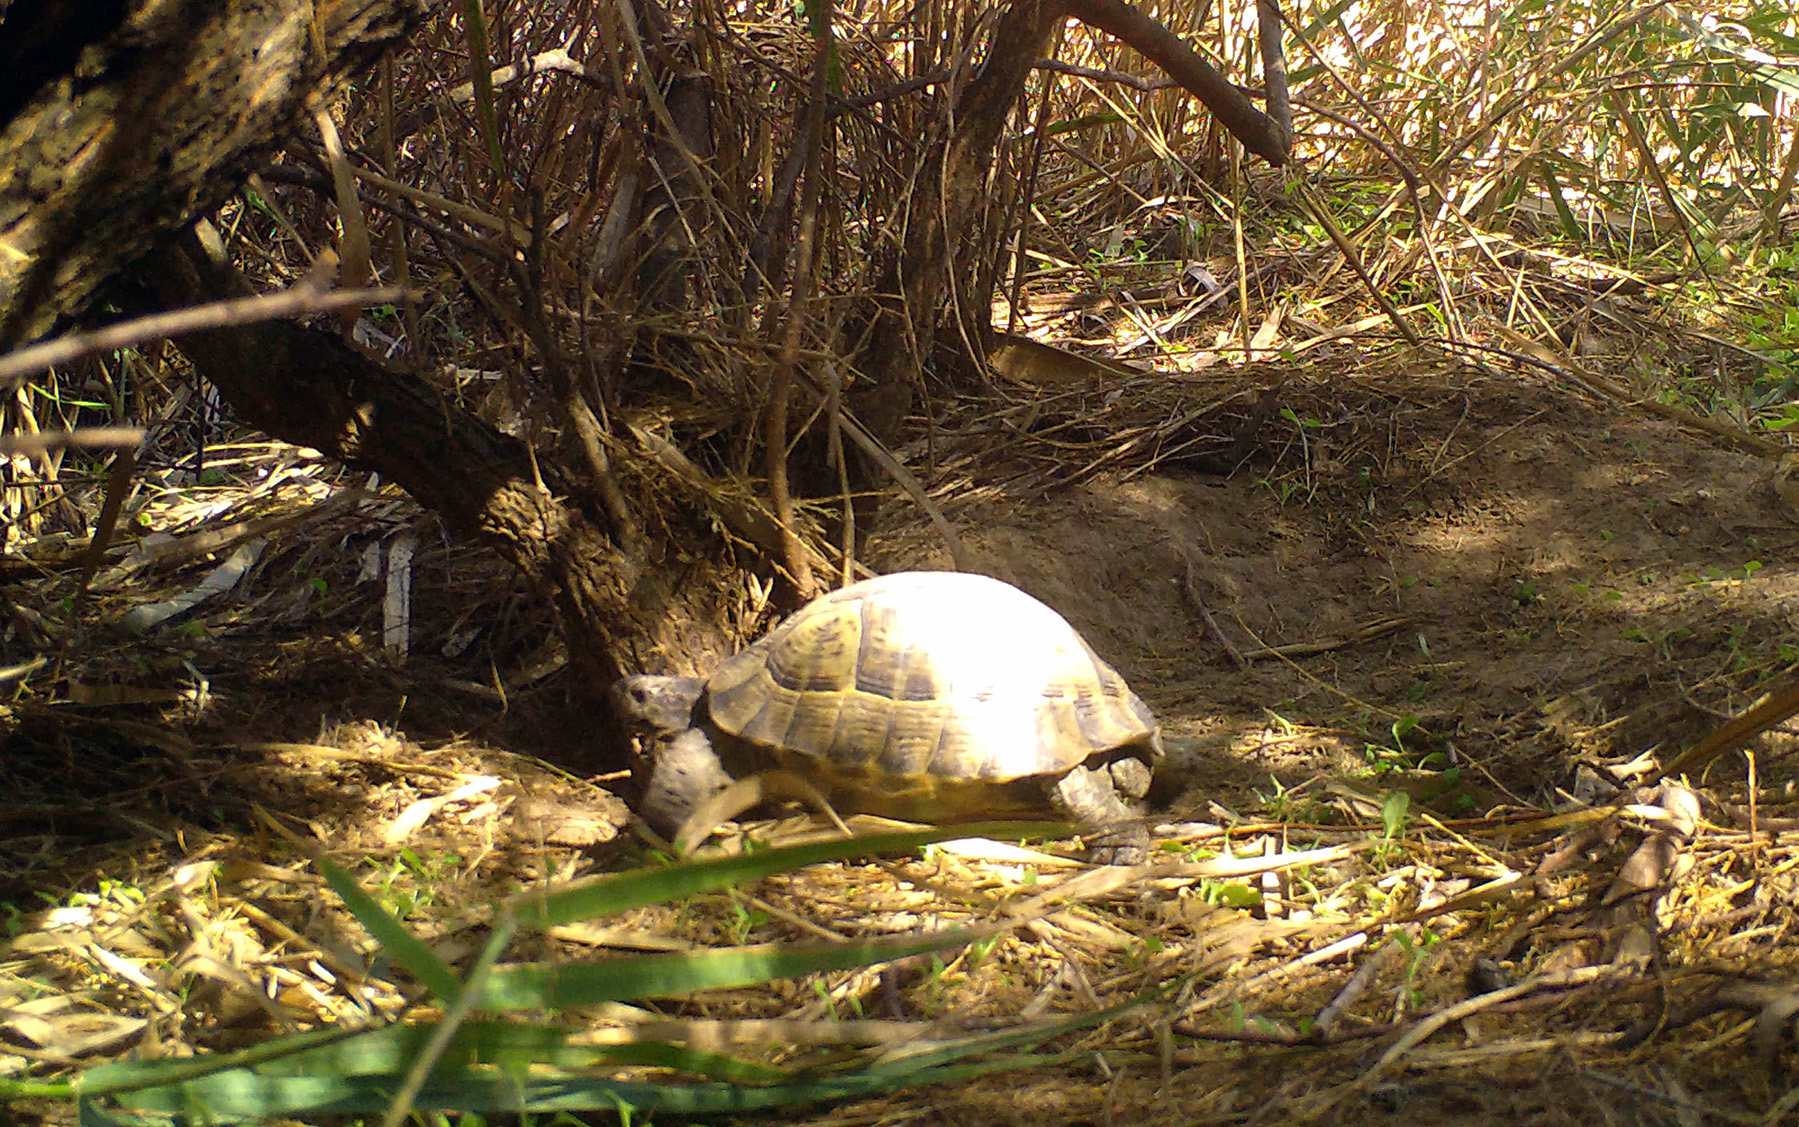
[{"x": 1615, "y": 957}]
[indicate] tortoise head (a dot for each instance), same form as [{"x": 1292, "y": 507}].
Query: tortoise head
[{"x": 656, "y": 704}]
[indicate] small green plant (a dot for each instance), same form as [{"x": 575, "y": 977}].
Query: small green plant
[
  {"x": 1382, "y": 758},
  {"x": 1137, "y": 954},
  {"x": 434, "y": 868},
  {"x": 109, "y": 893},
  {"x": 411, "y": 882},
  {"x": 1665, "y": 643},
  {"x": 1283, "y": 489},
  {"x": 1736, "y": 635},
  {"x": 1394, "y": 816},
  {"x": 1417, "y": 952},
  {"x": 979, "y": 950},
  {"x": 1229, "y": 894},
  {"x": 853, "y": 1001},
  {"x": 1279, "y": 805},
  {"x": 1235, "y": 1019},
  {"x": 934, "y": 990},
  {"x": 745, "y": 920}
]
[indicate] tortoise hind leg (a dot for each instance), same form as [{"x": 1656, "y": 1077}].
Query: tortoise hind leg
[
  {"x": 1087, "y": 797},
  {"x": 684, "y": 772}
]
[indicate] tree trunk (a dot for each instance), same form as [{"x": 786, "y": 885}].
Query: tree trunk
[
  {"x": 129, "y": 119},
  {"x": 941, "y": 212}
]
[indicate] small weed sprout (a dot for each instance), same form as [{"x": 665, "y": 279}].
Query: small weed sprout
[
  {"x": 1417, "y": 951},
  {"x": 1394, "y": 816}
]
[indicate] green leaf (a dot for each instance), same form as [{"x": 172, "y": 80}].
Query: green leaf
[
  {"x": 1393, "y": 813},
  {"x": 623, "y": 892}
]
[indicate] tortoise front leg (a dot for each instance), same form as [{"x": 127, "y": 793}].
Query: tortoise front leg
[
  {"x": 684, "y": 772},
  {"x": 1115, "y": 836}
]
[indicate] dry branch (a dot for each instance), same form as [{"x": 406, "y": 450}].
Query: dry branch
[{"x": 1259, "y": 133}]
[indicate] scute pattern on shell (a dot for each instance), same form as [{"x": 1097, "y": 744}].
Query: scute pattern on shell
[{"x": 931, "y": 676}]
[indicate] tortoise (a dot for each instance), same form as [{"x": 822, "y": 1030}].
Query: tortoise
[{"x": 933, "y": 696}]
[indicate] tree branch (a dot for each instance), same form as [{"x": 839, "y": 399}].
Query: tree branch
[{"x": 1150, "y": 38}]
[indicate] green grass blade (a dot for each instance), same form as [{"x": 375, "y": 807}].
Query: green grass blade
[
  {"x": 388, "y": 931},
  {"x": 125, "y": 1076},
  {"x": 235, "y": 1097},
  {"x": 693, "y": 1062},
  {"x": 622, "y": 892},
  {"x": 509, "y": 1048},
  {"x": 492, "y": 1067},
  {"x": 552, "y": 987},
  {"x": 243, "y": 1094}
]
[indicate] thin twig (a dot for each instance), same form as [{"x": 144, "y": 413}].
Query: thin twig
[
  {"x": 87, "y": 438},
  {"x": 295, "y": 301}
]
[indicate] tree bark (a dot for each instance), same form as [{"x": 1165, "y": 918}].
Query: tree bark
[{"x": 128, "y": 119}]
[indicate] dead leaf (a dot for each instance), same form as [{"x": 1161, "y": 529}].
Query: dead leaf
[{"x": 66, "y": 1036}]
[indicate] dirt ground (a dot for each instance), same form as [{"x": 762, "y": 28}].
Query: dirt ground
[
  {"x": 1573, "y": 581},
  {"x": 1485, "y": 591}
]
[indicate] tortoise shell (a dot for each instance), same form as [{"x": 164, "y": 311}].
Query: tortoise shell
[{"x": 925, "y": 693}]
